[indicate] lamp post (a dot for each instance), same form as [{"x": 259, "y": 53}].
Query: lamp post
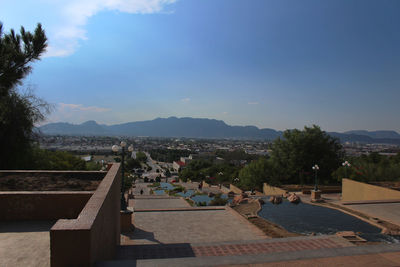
[
  {"x": 316, "y": 168},
  {"x": 115, "y": 148},
  {"x": 346, "y": 164}
]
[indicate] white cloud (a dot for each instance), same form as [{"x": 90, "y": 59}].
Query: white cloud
[
  {"x": 185, "y": 100},
  {"x": 64, "y": 37},
  {"x": 79, "y": 107},
  {"x": 252, "y": 103},
  {"x": 225, "y": 112}
]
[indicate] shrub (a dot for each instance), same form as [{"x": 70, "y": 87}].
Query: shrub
[{"x": 217, "y": 201}]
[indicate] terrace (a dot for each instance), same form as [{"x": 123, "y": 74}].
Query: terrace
[{"x": 67, "y": 218}]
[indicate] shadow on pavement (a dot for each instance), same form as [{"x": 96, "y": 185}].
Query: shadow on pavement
[
  {"x": 26, "y": 226},
  {"x": 155, "y": 251}
]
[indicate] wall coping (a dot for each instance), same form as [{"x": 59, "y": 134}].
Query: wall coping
[
  {"x": 45, "y": 192},
  {"x": 48, "y": 171},
  {"x": 89, "y": 213}
]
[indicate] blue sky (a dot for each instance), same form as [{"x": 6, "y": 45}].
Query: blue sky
[{"x": 274, "y": 64}]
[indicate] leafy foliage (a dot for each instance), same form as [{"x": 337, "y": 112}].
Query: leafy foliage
[
  {"x": 218, "y": 201},
  {"x": 198, "y": 170},
  {"x": 141, "y": 156},
  {"x": 132, "y": 164},
  {"x": 235, "y": 155},
  {"x": 42, "y": 159},
  {"x": 255, "y": 174},
  {"x": 18, "y": 111},
  {"x": 371, "y": 168},
  {"x": 168, "y": 155},
  {"x": 294, "y": 155}
]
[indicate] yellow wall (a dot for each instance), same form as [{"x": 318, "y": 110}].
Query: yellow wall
[
  {"x": 357, "y": 191},
  {"x": 205, "y": 184},
  {"x": 272, "y": 190},
  {"x": 235, "y": 189}
]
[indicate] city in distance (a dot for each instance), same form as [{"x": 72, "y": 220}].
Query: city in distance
[{"x": 201, "y": 128}]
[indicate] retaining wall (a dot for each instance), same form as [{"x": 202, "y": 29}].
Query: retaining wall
[
  {"x": 272, "y": 190},
  {"x": 95, "y": 234},
  {"x": 50, "y": 205},
  {"x": 358, "y": 191},
  {"x": 235, "y": 189}
]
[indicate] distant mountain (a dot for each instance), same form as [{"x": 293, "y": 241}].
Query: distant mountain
[
  {"x": 86, "y": 128},
  {"x": 200, "y": 128},
  {"x": 164, "y": 127},
  {"x": 376, "y": 134}
]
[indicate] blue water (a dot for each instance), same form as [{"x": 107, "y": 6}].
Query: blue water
[
  {"x": 202, "y": 198},
  {"x": 205, "y": 198},
  {"x": 188, "y": 193},
  {"x": 159, "y": 192},
  {"x": 306, "y": 219},
  {"x": 167, "y": 186}
]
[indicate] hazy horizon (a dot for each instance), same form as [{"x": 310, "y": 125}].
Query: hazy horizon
[
  {"x": 79, "y": 123},
  {"x": 272, "y": 64}
]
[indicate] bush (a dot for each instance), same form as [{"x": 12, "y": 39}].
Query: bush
[
  {"x": 156, "y": 184},
  {"x": 218, "y": 201}
]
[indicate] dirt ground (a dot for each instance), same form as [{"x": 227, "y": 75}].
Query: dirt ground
[
  {"x": 270, "y": 229},
  {"x": 48, "y": 182}
]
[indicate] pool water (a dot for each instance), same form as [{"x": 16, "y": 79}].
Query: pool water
[
  {"x": 205, "y": 198},
  {"x": 159, "y": 192},
  {"x": 167, "y": 186},
  {"x": 306, "y": 219},
  {"x": 188, "y": 193}
]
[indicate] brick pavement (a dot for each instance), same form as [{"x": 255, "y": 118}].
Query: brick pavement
[
  {"x": 157, "y": 203},
  {"x": 250, "y": 248},
  {"x": 370, "y": 260}
]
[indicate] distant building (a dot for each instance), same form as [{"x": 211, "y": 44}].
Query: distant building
[
  {"x": 87, "y": 158},
  {"x": 178, "y": 165}
]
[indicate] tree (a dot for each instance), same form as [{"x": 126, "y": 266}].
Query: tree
[
  {"x": 18, "y": 111},
  {"x": 141, "y": 156},
  {"x": 294, "y": 155},
  {"x": 255, "y": 174}
]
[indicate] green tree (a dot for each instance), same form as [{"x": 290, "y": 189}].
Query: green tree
[
  {"x": 19, "y": 111},
  {"x": 141, "y": 156},
  {"x": 294, "y": 155},
  {"x": 255, "y": 174}
]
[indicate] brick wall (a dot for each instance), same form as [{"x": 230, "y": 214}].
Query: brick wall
[
  {"x": 95, "y": 234},
  {"x": 42, "y": 205}
]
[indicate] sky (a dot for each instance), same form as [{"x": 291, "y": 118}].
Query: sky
[{"x": 278, "y": 64}]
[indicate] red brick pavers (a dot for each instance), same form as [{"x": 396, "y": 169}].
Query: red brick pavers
[
  {"x": 370, "y": 260},
  {"x": 262, "y": 248},
  {"x": 157, "y": 251}
]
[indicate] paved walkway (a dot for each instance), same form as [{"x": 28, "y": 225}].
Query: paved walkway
[
  {"x": 386, "y": 211},
  {"x": 25, "y": 243},
  {"x": 171, "y": 237},
  {"x": 370, "y": 260},
  {"x": 162, "y": 202},
  {"x": 235, "y": 248},
  {"x": 185, "y": 226}
]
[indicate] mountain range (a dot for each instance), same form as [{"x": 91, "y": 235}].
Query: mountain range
[{"x": 200, "y": 128}]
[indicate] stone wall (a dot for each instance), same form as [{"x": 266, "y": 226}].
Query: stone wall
[
  {"x": 95, "y": 234},
  {"x": 358, "y": 191},
  {"x": 235, "y": 189},
  {"x": 272, "y": 190},
  {"x": 16, "y": 206}
]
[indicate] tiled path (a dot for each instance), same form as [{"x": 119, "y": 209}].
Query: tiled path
[
  {"x": 174, "y": 237},
  {"x": 229, "y": 249},
  {"x": 185, "y": 226},
  {"x": 370, "y": 260}
]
